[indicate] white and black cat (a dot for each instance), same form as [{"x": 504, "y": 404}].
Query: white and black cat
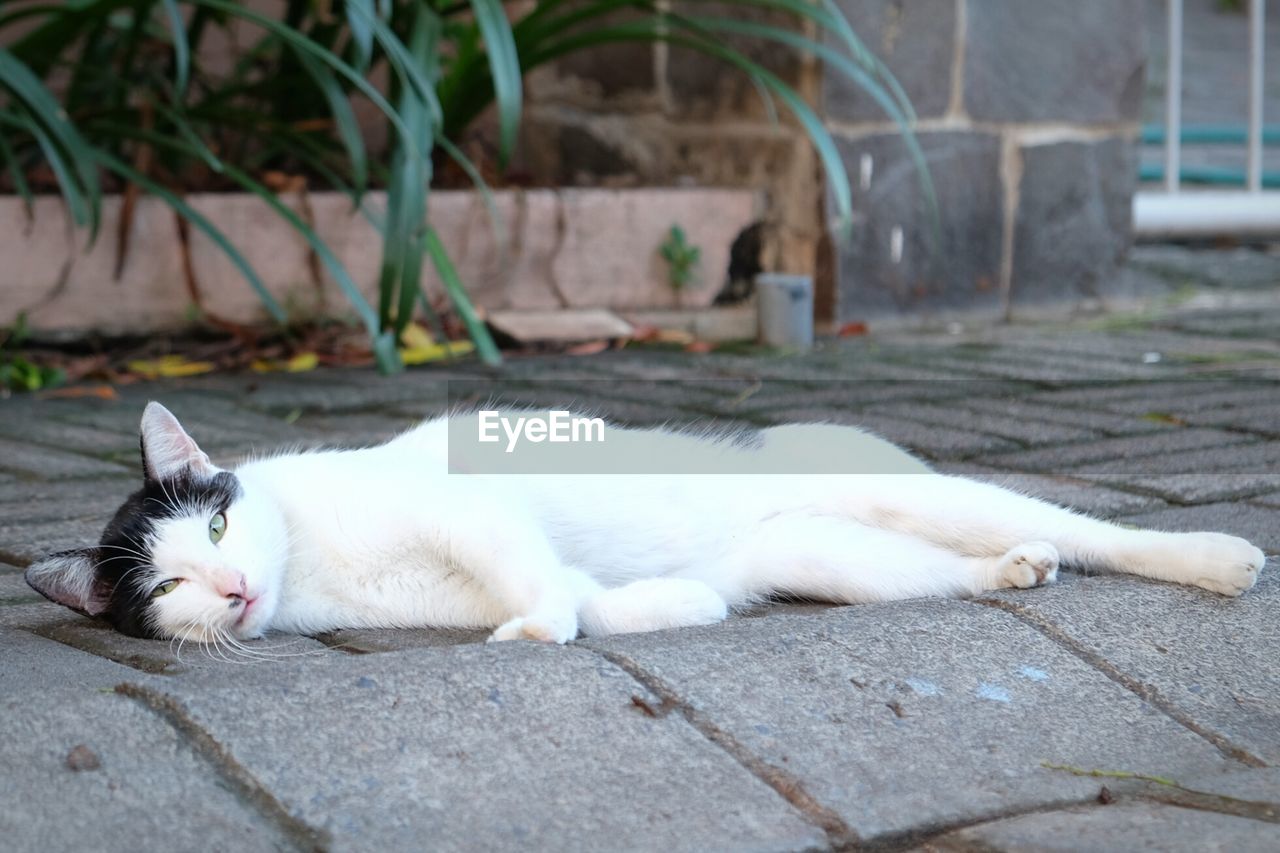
[{"x": 387, "y": 537}]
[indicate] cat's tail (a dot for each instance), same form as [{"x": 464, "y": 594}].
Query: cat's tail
[{"x": 651, "y": 605}]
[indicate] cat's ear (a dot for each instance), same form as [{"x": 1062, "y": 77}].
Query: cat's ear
[
  {"x": 167, "y": 450},
  {"x": 70, "y": 578}
]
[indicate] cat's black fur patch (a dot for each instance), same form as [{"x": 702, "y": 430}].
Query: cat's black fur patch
[{"x": 128, "y": 533}]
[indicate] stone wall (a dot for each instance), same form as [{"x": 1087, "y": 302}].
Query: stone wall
[
  {"x": 1027, "y": 115},
  {"x": 660, "y": 115}
]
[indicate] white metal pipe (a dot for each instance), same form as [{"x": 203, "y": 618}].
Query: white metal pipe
[
  {"x": 1257, "y": 65},
  {"x": 1206, "y": 214},
  {"x": 1173, "y": 101}
]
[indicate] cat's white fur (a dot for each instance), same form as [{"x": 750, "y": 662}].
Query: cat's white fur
[{"x": 386, "y": 536}]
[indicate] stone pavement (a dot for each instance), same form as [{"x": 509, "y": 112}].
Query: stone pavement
[{"x": 1101, "y": 713}]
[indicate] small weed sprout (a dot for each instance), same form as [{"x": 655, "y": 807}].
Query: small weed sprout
[
  {"x": 16, "y": 372},
  {"x": 681, "y": 257}
]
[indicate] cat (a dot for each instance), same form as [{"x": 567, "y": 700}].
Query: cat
[{"x": 386, "y": 536}]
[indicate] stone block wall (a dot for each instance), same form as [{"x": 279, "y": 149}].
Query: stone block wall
[
  {"x": 1027, "y": 116},
  {"x": 631, "y": 114}
]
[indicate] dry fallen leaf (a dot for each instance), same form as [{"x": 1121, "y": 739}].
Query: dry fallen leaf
[
  {"x": 169, "y": 367},
  {"x": 434, "y": 352},
  {"x": 674, "y": 336},
  {"x": 588, "y": 348},
  {"x": 854, "y": 329},
  {"x": 299, "y": 363},
  {"x": 101, "y": 392},
  {"x": 643, "y": 333},
  {"x": 81, "y": 758}
]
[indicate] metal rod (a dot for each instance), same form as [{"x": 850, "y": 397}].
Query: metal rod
[
  {"x": 1173, "y": 100},
  {"x": 1219, "y": 175},
  {"x": 1206, "y": 214},
  {"x": 1257, "y": 64},
  {"x": 1211, "y": 134}
]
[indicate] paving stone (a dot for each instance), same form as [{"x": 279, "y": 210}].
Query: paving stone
[
  {"x": 326, "y": 395},
  {"x": 40, "y": 429},
  {"x": 495, "y": 746},
  {"x": 1204, "y": 488},
  {"x": 1271, "y": 499},
  {"x": 1206, "y": 400},
  {"x": 1032, "y": 367},
  {"x": 21, "y": 543},
  {"x": 1234, "y": 267},
  {"x": 342, "y": 429},
  {"x": 138, "y": 778},
  {"x": 1121, "y": 826},
  {"x": 1064, "y": 415},
  {"x": 1124, "y": 339},
  {"x": 173, "y": 657},
  {"x": 14, "y": 590},
  {"x": 1260, "y": 525},
  {"x": 1178, "y": 398},
  {"x": 362, "y": 641},
  {"x": 1233, "y": 465},
  {"x": 223, "y": 429},
  {"x": 1119, "y": 454},
  {"x": 61, "y": 500},
  {"x": 1010, "y": 76},
  {"x": 1260, "y": 785},
  {"x": 777, "y": 403},
  {"x": 1078, "y": 494},
  {"x": 1263, "y": 419},
  {"x": 30, "y": 617},
  {"x": 1024, "y": 431},
  {"x": 1209, "y": 659},
  {"x": 933, "y": 441},
  {"x": 915, "y": 713},
  {"x": 30, "y": 460}
]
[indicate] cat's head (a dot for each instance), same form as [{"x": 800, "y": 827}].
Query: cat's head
[{"x": 193, "y": 554}]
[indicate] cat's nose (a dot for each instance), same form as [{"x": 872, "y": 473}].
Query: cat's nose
[{"x": 234, "y": 587}]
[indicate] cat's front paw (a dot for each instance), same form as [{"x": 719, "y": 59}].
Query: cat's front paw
[
  {"x": 540, "y": 629},
  {"x": 1227, "y": 565},
  {"x": 1027, "y": 565}
]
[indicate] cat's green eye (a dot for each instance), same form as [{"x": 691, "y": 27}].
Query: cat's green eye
[
  {"x": 166, "y": 587},
  {"x": 217, "y": 527}
]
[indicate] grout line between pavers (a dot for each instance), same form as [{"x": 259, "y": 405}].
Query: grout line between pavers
[
  {"x": 304, "y": 836},
  {"x": 1143, "y": 691},
  {"x": 1218, "y": 804},
  {"x": 787, "y": 786},
  {"x": 918, "y": 837}
]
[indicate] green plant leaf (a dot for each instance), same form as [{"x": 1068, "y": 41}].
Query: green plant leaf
[
  {"x": 359, "y": 14},
  {"x": 16, "y": 175},
  {"x": 67, "y": 185},
  {"x": 343, "y": 116},
  {"x": 299, "y": 42},
  {"x": 46, "y": 113},
  {"x": 181, "y": 50},
  {"x": 476, "y": 328},
  {"x": 657, "y": 29},
  {"x": 201, "y": 222},
  {"x": 407, "y": 192},
  {"x": 402, "y": 61},
  {"x": 842, "y": 64},
  {"x": 504, "y": 65}
]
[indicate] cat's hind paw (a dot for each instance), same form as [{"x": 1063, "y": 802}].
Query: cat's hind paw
[
  {"x": 1227, "y": 565},
  {"x": 1026, "y": 565},
  {"x": 537, "y": 628}
]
